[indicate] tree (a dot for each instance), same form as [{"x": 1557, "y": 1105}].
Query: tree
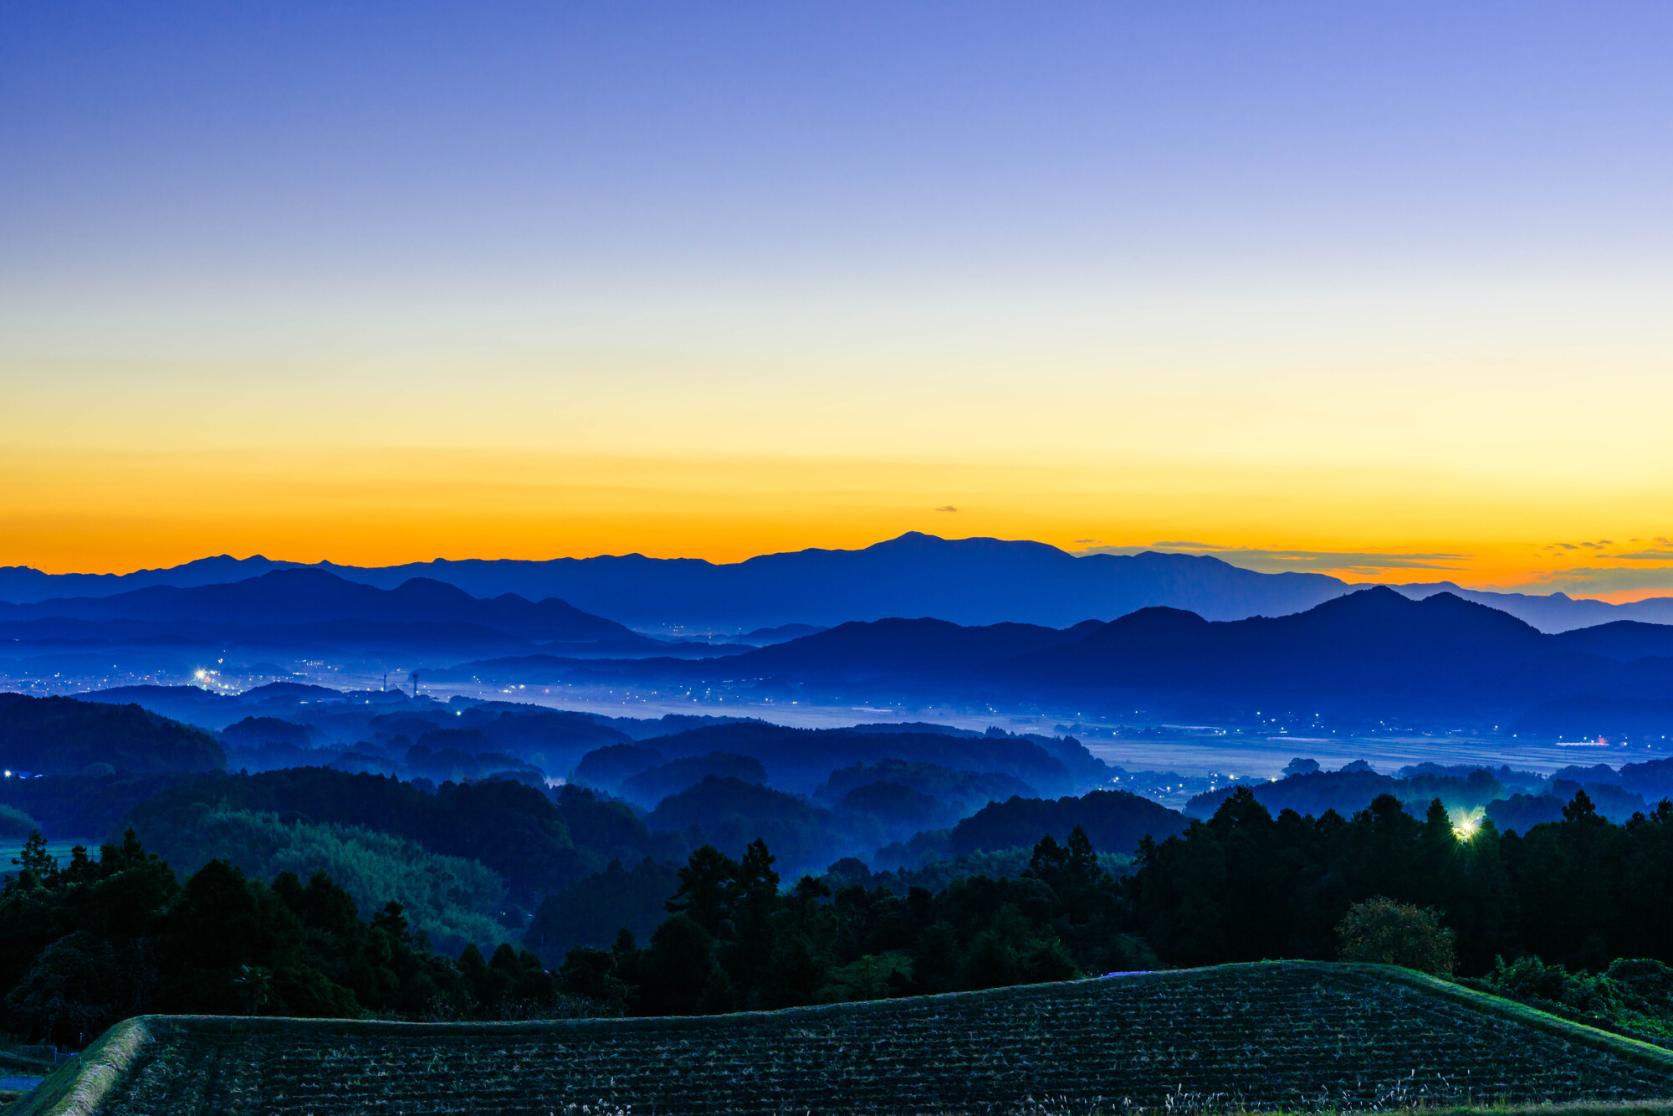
[
  {"x": 592, "y": 973},
  {"x": 1388, "y": 933},
  {"x": 35, "y": 865},
  {"x": 254, "y": 985},
  {"x": 681, "y": 976},
  {"x": 707, "y": 884},
  {"x": 71, "y": 992}
]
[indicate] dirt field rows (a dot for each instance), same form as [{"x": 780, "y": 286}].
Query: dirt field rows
[{"x": 1255, "y": 1037}]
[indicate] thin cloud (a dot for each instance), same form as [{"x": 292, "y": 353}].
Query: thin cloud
[
  {"x": 1588, "y": 581},
  {"x": 1654, "y": 554},
  {"x": 1277, "y": 560},
  {"x": 947, "y": 508}
]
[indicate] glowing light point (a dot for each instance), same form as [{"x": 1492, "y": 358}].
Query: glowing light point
[{"x": 1466, "y": 826}]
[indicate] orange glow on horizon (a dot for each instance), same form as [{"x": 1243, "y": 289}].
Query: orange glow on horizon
[
  {"x": 380, "y": 285},
  {"x": 105, "y": 512}
]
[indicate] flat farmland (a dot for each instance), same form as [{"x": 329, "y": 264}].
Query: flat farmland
[{"x": 1263, "y": 1037}]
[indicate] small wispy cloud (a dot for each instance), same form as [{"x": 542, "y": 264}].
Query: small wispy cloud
[
  {"x": 1590, "y": 544},
  {"x": 1279, "y": 560},
  {"x": 1656, "y": 549},
  {"x": 1590, "y": 581},
  {"x": 947, "y": 508}
]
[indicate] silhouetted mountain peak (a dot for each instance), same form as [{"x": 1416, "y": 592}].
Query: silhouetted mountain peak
[
  {"x": 1379, "y": 597},
  {"x": 429, "y": 590},
  {"x": 1452, "y": 605},
  {"x": 1147, "y": 626},
  {"x": 1157, "y": 620},
  {"x": 1160, "y": 615},
  {"x": 1170, "y": 558}
]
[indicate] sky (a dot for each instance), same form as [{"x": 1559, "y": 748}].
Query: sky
[{"x": 1377, "y": 289}]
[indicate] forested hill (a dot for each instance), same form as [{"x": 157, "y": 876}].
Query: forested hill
[{"x": 62, "y": 736}]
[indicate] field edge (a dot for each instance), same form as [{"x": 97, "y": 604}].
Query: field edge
[{"x": 80, "y": 1087}]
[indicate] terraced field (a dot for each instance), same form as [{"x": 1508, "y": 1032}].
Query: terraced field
[{"x": 1244, "y": 1037}]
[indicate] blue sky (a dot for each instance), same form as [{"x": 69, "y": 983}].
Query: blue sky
[{"x": 1290, "y": 277}]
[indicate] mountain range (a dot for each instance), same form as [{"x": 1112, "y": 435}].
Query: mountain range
[
  {"x": 1369, "y": 656},
  {"x": 967, "y": 581},
  {"x": 305, "y": 607}
]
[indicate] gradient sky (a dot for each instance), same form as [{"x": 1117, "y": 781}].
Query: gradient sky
[{"x": 1379, "y": 289}]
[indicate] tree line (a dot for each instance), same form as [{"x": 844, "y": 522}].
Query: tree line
[
  {"x": 1242, "y": 885},
  {"x": 107, "y": 936}
]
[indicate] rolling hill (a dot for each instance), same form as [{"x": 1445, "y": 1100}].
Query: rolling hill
[{"x": 1238, "y": 1038}]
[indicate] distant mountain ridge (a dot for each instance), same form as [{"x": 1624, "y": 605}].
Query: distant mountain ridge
[
  {"x": 1366, "y": 657},
  {"x": 966, "y": 581},
  {"x": 26, "y": 585},
  {"x": 301, "y": 604}
]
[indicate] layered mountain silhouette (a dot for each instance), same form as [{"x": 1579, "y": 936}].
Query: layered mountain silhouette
[
  {"x": 22, "y": 584},
  {"x": 966, "y": 581},
  {"x": 1370, "y": 656},
  {"x": 303, "y": 606}
]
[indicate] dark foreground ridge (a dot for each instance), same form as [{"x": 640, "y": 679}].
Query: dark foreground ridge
[{"x": 1255, "y": 1037}]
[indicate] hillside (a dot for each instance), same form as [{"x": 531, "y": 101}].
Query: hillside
[
  {"x": 62, "y": 736},
  {"x": 1234, "y": 1038}
]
